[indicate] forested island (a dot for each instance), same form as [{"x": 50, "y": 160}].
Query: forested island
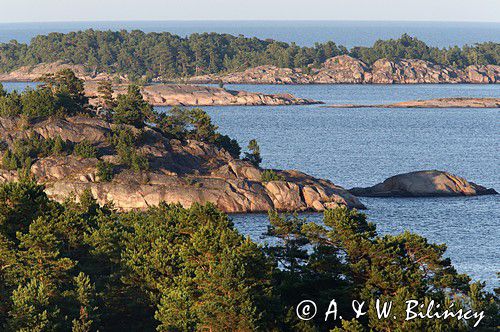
[{"x": 139, "y": 56}]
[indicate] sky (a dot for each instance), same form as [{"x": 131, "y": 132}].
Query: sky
[{"x": 372, "y": 10}]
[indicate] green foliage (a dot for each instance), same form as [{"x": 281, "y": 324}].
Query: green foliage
[
  {"x": 10, "y": 104},
  {"x": 59, "y": 146},
  {"x": 125, "y": 143},
  {"x": 229, "y": 144},
  {"x": 39, "y": 102},
  {"x": 85, "y": 296},
  {"x": 78, "y": 266},
  {"x": 143, "y": 56},
  {"x": 26, "y": 150},
  {"x": 269, "y": 175},
  {"x": 31, "y": 309},
  {"x": 9, "y": 161},
  {"x": 105, "y": 94},
  {"x": 254, "y": 155},
  {"x": 62, "y": 94},
  {"x": 105, "y": 171},
  {"x": 68, "y": 89},
  {"x": 20, "y": 204},
  {"x": 85, "y": 149},
  {"x": 131, "y": 108},
  {"x": 196, "y": 124}
]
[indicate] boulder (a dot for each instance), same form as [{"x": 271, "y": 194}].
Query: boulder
[{"x": 431, "y": 183}]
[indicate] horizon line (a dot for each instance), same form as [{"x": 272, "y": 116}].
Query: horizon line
[{"x": 250, "y": 20}]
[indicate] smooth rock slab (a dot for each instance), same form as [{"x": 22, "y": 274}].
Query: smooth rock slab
[{"x": 431, "y": 183}]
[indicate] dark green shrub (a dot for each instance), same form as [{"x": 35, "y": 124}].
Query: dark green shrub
[
  {"x": 131, "y": 108},
  {"x": 105, "y": 171},
  {"x": 10, "y": 104},
  {"x": 85, "y": 149},
  {"x": 124, "y": 142},
  {"x": 270, "y": 175},
  {"x": 9, "y": 161},
  {"x": 59, "y": 146},
  {"x": 228, "y": 144},
  {"x": 254, "y": 155},
  {"x": 39, "y": 102}
]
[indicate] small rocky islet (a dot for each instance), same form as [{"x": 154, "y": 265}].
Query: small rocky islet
[
  {"x": 452, "y": 102},
  {"x": 428, "y": 183}
]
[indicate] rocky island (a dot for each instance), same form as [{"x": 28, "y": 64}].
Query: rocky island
[
  {"x": 215, "y": 58},
  {"x": 454, "y": 102},
  {"x": 431, "y": 183},
  {"x": 196, "y": 95}
]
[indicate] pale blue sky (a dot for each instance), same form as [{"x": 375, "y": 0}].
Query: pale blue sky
[{"x": 395, "y": 10}]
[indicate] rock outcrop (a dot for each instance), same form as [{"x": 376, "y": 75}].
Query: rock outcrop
[
  {"x": 345, "y": 69},
  {"x": 455, "y": 102},
  {"x": 196, "y": 95},
  {"x": 258, "y": 75},
  {"x": 423, "y": 184},
  {"x": 186, "y": 172},
  {"x": 32, "y": 73},
  {"x": 342, "y": 69},
  {"x": 339, "y": 69}
]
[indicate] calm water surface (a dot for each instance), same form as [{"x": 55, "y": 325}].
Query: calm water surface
[{"x": 361, "y": 147}]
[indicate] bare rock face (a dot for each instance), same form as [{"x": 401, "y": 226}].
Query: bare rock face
[
  {"x": 423, "y": 184},
  {"x": 346, "y": 69},
  {"x": 180, "y": 172},
  {"x": 412, "y": 72},
  {"x": 343, "y": 69},
  {"x": 258, "y": 75},
  {"x": 196, "y": 95},
  {"x": 483, "y": 74},
  {"x": 32, "y": 73}
]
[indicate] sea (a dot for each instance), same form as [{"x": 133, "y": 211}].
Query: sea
[{"x": 363, "y": 146}]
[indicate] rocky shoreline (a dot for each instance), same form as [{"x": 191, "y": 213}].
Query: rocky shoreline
[
  {"x": 454, "y": 102},
  {"x": 344, "y": 69},
  {"x": 196, "y": 95},
  {"x": 184, "y": 172}
]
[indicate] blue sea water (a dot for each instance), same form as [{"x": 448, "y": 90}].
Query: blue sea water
[
  {"x": 361, "y": 147},
  {"x": 304, "y": 33}
]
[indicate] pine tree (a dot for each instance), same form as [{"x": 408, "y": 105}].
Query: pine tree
[
  {"x": 254, "y": 155},
  {"x": 131, "y": 108},
  {"x": 105, "y": 94},
  {"x": 32, "y": 310}
]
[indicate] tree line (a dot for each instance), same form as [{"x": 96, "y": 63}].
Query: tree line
[{"x": 163, "y": 55}]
